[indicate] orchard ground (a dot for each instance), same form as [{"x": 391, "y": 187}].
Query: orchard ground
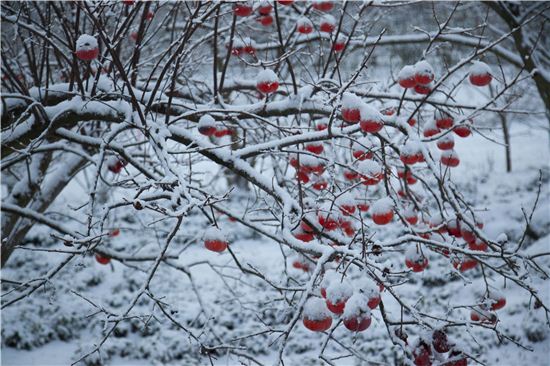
[{"x": 48, "y": 328}]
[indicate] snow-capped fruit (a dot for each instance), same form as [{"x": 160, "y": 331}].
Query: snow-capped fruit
[
  {"x": 357, "y": 316},
  {"x": 350, "y": 174},
  {"x": 446, "y": 142},
  {"x": 411, "y": 153},
  {"x": 267, "y": 81},
  {"x": 440, "y": 342},
  {"x": 328, "y": 222},
  {"x": 340, "y": 44},
  {"x": 463, "y": 130},
  {"x": 322, "y": 5},
  {"x": 207, "y": 125},
  {"x": 329, "y": 277},
  {"x": 484, "y": 316},
  {"x": 498, "y": 301},
  {"x": 86, "y": 48},
  {"x": 362, "y": 154},
  {"x": 303, "y": 235},
  {"x": 456, "y": 358},
  {"x": 422, "y": 354},
  {"x": 321, "y": 126},
  {"x": 363, "y": 207},
  {"x": 406, "y": 77},
  {"x": 351, "y": 105},
  {"x": 410, "y": 216},
  {"x": 464, "y": 264},
  {"x": 214, "y": 240},
  {"x": 374, "y": 301},
  {"x": 443, "y": 120},
  {"x": 116, "y": 164},
  {"x": 382, "y": 211},
  {"x": 423, "y": 72},
  {"x": 370, "y": 119},
  {"x": 453, "y": 228},
  {"x": 320, "y": 185},
  {"x": 415, "y": 259},
  {"x": 265, "y": 8},
  {"x": 370, "y": 172},
  {"x": 338, "y": 294},
  {"x": 450, "y": 158},
  {"x": 389, "y": 111},
  {"x": 430, "y": 129},
  {"x": 304, "y": 26},
  {"x": 102, "y": 259},
  {"x": 423, "y": 89},
  {"x": 316, "y": 317},
  {"x": 315, "y": 148},
  {"x": 242, "y": 9},
  {"x": 265, "y": 20},
  {"x": 480, "y": 74},
  {"x": 478, "y": 244},
  {"x": 328, "y": 24}
]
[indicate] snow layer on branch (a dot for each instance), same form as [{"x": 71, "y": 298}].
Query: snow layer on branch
[{"x": 86, "y": 43}]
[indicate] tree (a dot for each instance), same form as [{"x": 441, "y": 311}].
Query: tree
[{"x": 137, "y": 96}]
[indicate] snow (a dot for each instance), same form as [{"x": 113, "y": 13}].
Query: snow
[
  {"x": 206, "y": 121},
  {"x": 423, "y": 68},
  {"x": 406, "y": 72},
  {"x": 86, "y": 43},
  {"x": 328, "y": 19},
  {"x": 316, "y": 309},
  {"x": 266, "y": 76},
  {"x": 382, "y": 206},
  {"x": 304, "y": 22},
  {"x": 214, "y": 233},
  {"x": 369, "y": 168},
  {"x": 356, "y": 306},
  {"x": 479, "y": 68},
  {"x": 339, "y": 291},
  {"x": 369, "y": 113},
  {"x": 351, "y": 101}
]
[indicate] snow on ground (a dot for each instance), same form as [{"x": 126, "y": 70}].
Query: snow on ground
[{"x": 49, "y": 327}]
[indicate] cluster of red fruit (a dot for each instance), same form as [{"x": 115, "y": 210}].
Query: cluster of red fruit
[
  {"x": 352, "y": 303},
  {"x": 423, "y": 349},
  {"x": 208, "y": 126}
]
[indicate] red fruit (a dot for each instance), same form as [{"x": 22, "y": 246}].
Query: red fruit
[
  {"x": 339, "y": 46},
  {"x": 320, "y": 185},
  {"x": 114, "y": 232},
  {"x": 362, "y": 155},
  {"x": 351, "y": 115},
  {"x": 498, "y": 303},
  {"x": 357, "y": 324},
  {"x": 382, "y": 218},
  {"x": 285, "y": 2},
  {"x": 317, "y": 169},
  {"x": 463, "y": 131},
  {"x": 215, "y": 245},
  {"x": 328, "y": 222},
  {"x": 338, "y": 307},
  {"x": 374, "y": 301},
  {"x": 128, "y": 2},
  {"x": 303, "y": 236},
  {"x": 412, "y": 121},
  {"x": 150, "y": 15},
  {"x": 294, "y": 162},
  {"x": 424, "y": 73},
  {"x": 429, "y": 132},
  {"x": 305, "y": 29},
  {"x": 324, "y": 292},
  {"x": 481, "y": 80},
  {"x": 422, "y": 89},
  {"x": 465, "y": 264},
  {"x": 478, "y": 245},
  {"x": 267, "y": 87},
  {"x": 371, "y": 126},
  {"x": 347, "y": 209},
  {"x": 350, "y": 174},
  {"x": 101, "y": 259},
  {"x": 302, "y": 176},
  {"x": 440, "y": 341},
  {"x": 207, "y": 130},
  {"x": 450, "y": 161},
  {"x": 453, "y": 228},
  {"x": 444, "y": 121},
  {"x": 265, "y": 20},
  {"x": 459, "y": 359},
  {"x": 412, "y": 219},
  {"x": 363, "y": 207},
  {"x": 323, "y": 5},
  {"x": 315, "y": 148},
  {"x": 318, "y": 325},
  {"x": 371, "y": 181},
  {"x": 326, "y": 27},
  {"x": 265, "y": 9},
  {"x": 116, "y": 166},
  {"x": 320, "y": 126},
  {"x": 88, "y": 55},
  {"x": 242, "y": 9},
  {"x": 417, "y": 266},
  {"x": 422, "y": 355},
  {"x": 300, "y": 265},
  {"x": 408, "y": 159},
  {"x": 445, "y": 144},
  {"x": 408, "y": 82},
  {"x": 223, "y": 132}
]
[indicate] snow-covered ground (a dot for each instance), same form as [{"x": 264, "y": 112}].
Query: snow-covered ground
[{"x": 49, "y": 328}]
